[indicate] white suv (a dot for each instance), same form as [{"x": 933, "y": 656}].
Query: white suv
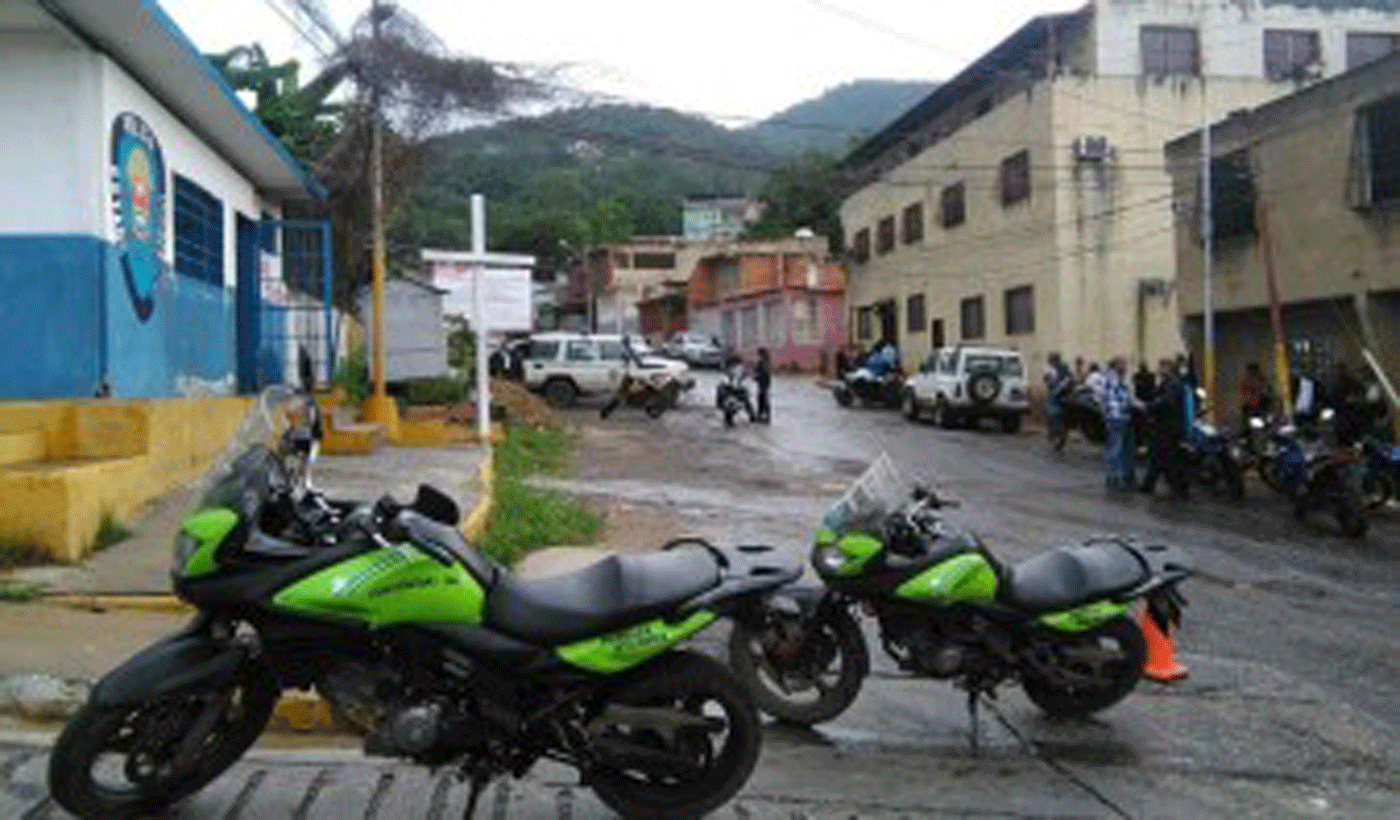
[
  {"x": 963, "y": 385},
  {"x": 564, "y": 366}
]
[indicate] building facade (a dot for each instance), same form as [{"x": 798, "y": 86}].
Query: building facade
[
  {"x": 1025, "y": 201},
  {"x": 136, "y": 199},
  {"x": 784, "y": 295},
  {"x": 616, "y": 277},
  {"x": 722, "y": 218},
  {"x": 1313, "y": 179}
]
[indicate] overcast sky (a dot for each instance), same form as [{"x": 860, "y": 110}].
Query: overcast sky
[{"x": 734, "y": 60}]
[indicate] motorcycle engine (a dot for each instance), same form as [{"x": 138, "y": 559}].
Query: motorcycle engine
[
  {"x": 920, "y": 646},
  {"x": 398, "y": 719}
]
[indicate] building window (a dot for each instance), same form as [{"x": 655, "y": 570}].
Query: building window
[
  {"x": 1020, "y": 310},
  {"x": 1288, "y": 55},
  {"x": 653, "y": 261},
  {"x": 884, "y": 236},
  {"x": 804, "y": 320},
  {"x": 914, "y": 316},
  {"x": 860, "y": 245},
  {"x": 1378, "y": 143},
  {"x": 726, "y": 328},
  {"x": 974, "y": 318},
  {"x": 1368, "y": 46},
  {"x": 912, "y": 226},
  {"x": 936, "y": 334},
  {"x": 1169, "y": 50},
  {"x": 748, "y": 326},
  {"x": 727, "y": 278},
  {"x": 1231, "y": 195},
  {"x": 1016, "y": 178},
  {"x": 952, "y": 205},
  {"x": 199, "y": 233},
  {"x": 774, "y": 327},
  {"x": 863, "y": 323}
]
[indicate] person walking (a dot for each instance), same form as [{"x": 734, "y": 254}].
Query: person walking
[
  {"x": 1168, "y": 419},
  {"x": 763, "y": 380},
  {"x": 1118, "y": 424}
]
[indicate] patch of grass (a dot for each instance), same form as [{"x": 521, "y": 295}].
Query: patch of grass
[
  {"x": 18, "y": 592},
  {"x": 527, "y": 518},
  {"x": 352, "y": 374},
  {"x": 434, "y": 392},
  {"x": 110, "y": 531},
  {"x": 21, "y": 554}
]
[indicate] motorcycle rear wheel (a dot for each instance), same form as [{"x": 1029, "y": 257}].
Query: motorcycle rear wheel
[
  {"x": 834, "y": 642},
  {"x": 1378, "y": 488},
  {"x": 1104, "y": 686},
  {"x": 97, "y": 732},
  {"x": 700, "y": 686}
]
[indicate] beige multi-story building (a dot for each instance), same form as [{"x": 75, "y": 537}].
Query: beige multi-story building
[
  {"x": 1322, "y": 167},
  {"x": 1026, "y": 200}
]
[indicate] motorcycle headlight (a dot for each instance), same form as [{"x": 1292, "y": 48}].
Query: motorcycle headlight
[
  {"x": 829, "y": 560},
  {"x": 185, "y": 546}
]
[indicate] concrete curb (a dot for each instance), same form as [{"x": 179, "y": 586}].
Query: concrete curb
[{"x": 296, "y": 712}]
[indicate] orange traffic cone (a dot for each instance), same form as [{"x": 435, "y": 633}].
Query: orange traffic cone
[{"x": 1161, "y": 665}]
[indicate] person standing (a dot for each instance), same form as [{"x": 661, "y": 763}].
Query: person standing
[
  {"x": 1094, "y": 381},
  {"x": 763, "y": 380},
  {"x": 1118, "y": 424},
  {"x": 1059, "y": 381},
  {"x": 1168, "y": 418},
  {"x": 1254, "y": 394},
  {"x": 1348, "y": 397},
  {"x": 1144, "y": 384}
]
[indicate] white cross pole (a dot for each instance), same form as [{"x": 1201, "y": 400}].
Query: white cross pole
[{"x": 479, "y": 260}]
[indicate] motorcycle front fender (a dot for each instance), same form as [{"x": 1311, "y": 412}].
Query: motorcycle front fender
[{"x": 188, "y": 660}]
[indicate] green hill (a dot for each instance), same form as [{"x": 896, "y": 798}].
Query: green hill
[{"x": 829, "y": 122}]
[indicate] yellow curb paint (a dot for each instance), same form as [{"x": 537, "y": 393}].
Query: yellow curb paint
[
  {"x": 131, "y": 603},
  {"x": 476, "y": 521}
]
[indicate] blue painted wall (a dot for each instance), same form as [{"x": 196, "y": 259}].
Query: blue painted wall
[
  {"x": 66, "y": 318},
  {"x": 51, "y": 307}
]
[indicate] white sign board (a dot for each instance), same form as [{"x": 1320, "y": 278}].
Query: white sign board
[{"x": 508, "y": 294}]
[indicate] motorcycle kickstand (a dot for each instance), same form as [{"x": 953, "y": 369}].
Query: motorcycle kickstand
[
  {"x": 974, "y": 729},
  {"x": 479, "y": 783}
]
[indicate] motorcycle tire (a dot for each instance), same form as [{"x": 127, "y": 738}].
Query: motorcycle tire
[
  {"x": 656, "y": 405},
  {"x": 843, "y": 396},
  {"x": 1059, "y": 701},
  {"x": 1270, "y": 475},
  {"x": 1233, "y": 478},
  {"x": 841, "y": 642},
  {"x": 728, "y": 417},
  {"x": 94, "y": 729},
  {"x": 1377, "y": 488},
  {"x": 685, "y": 681}
]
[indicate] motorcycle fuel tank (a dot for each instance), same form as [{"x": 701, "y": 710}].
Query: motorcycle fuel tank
[
  {"x": 964, "y": 577},
  {"x": 394, "y": 585}
]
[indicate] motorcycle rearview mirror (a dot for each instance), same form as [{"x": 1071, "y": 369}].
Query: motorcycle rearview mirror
[{"x": 434, "y": 504}]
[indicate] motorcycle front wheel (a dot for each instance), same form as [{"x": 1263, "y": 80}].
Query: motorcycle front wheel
[
  {"x": 1076, "y": 674},
  {"x": 804, "y": 672},
  {"x": 688, "y": 771},
  {"x": 134, "y": 759}
]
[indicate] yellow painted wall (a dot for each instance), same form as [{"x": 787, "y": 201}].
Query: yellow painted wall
[{"x": 104, "y": 457}]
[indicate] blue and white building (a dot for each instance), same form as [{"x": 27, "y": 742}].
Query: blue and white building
[{"x": 138, "y": 199}]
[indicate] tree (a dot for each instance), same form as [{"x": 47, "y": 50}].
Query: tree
[{"x": 803, "y": 193}]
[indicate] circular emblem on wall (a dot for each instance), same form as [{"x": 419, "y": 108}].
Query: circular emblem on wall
[{"x": 138, "y": 201}]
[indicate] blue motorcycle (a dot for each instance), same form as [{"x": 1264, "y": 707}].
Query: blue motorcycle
[
  {"x": 1381, "y": 478},
  {"x": 1216, "y": 460},
  {"x": 1316, "y": 474}
]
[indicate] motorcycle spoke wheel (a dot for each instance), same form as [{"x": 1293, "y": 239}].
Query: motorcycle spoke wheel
[
  {"x": 1076, "y": 675},
  {"x": 803, "y": 675}
]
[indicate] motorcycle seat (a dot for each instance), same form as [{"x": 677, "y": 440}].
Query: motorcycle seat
[
  {"x": 1067, "y": 577},
  {"x": 618, "y": 591}
]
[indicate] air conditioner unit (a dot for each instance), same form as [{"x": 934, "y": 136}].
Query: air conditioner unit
[{"x": 1092, "y": 149}]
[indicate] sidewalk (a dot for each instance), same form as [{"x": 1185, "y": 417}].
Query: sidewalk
[{"x": 59, "y": 640}]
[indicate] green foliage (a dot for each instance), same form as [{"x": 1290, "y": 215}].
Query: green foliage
[
  {"x": 461, "y": 347},
  {"x": 842, "y": 115},
  {"x": 804, "y": 193},
  {"x": 21, "y": 554},
  {"x": 526, "y": 518},
  {"x": 110, "y": 531},
  {"x": 434, "y": 391},
  {"x": 19, "y": 592},
  {"x": 352, "y": 375}
]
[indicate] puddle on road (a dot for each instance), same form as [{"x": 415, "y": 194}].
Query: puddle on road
[{"x": 677, "y": 495}]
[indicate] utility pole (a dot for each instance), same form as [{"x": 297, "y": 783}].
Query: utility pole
[
  {"x": 379, "y": 408},
  {"x": 1207, "y": 268},
  {"x": 1266, "y": 256}
]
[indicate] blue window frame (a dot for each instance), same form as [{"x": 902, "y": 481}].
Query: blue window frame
[
  {"x": 269, "y": 233},
  {"x": 199, "y": 233}
]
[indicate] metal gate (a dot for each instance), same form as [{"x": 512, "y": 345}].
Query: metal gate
[{"x": 296, "y": 308}]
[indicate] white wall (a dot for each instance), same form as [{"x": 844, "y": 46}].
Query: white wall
[
  {"x": 1231, "y": 31},
  {"x": 51, "y": 148},
  {"x": 185, "y": 154}
]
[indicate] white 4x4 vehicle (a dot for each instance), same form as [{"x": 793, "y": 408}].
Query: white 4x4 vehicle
[
  {"x": 564, "y": 366},
  {"x": 963, "y": 385}
]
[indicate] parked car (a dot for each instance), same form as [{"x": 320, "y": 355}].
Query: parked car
[
  {"x": 565, "y": 366},
  {"x": 695, "y": 349},
  {"x": 963, "y": 385}
]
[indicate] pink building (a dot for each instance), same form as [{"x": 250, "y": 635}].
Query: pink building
[{"x": 784, "y": 295}]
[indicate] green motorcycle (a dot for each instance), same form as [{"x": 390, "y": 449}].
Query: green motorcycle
[
  {"x": 946, "y": 608},
  {"x": 423, "y": 646}
]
